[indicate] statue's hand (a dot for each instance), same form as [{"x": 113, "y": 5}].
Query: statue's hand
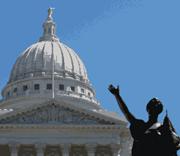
[{"x": 113, "y": 90}]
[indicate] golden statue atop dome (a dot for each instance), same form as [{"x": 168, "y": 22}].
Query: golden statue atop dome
[{"x": 50, "y": 12}]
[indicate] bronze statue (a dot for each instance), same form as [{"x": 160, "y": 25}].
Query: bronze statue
[{"x": 150, "y": 138}]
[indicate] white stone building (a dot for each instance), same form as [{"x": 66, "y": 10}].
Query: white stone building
[{"x": 49, "y": 106}]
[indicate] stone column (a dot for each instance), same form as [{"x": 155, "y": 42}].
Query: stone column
[
  {"x": 126, "y": 146},
  {"x": 13, "y": 149},
  {"x": 40, "y": 149},
  {"x": 115, "y": 148},
  {"x": 65, "y": 149},
  {"x": 91, "y": 149}
]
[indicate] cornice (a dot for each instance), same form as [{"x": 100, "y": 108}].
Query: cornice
[{"x": 61, "y": 127}]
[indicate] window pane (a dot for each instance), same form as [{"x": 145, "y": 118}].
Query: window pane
[
  {"x": 8, "y": 93},
  {"x": 72, "y": 88},
  {"x": 82, "y": 90},
  {"x": 15, "y": 90},
  {"x": 36, "y": 87},
  {"x": 25, "y": 87},
  {"x": 61, "y": 87},
  {"x": 49, "y": 86}
]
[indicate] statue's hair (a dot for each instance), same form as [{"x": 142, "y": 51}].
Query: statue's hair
[{"x": 154, "y": 104}]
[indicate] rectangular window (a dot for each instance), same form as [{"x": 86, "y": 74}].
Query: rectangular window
[
  {"x": 36, "y": 87},
  {"x": 25, "y": 87},
  {"x": 82, "y": 90},
  {"x": 89, "y": 94},
  {"x": 15, "y": 90},
  {"x": 61, "y": 87},
  {"x": 8, "y": 94},
  {"x": 49, "y": 86},
  {"x": 72, "y": 88}
]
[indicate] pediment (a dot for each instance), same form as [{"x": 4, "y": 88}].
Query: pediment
[{"x": 53, "y": 114}]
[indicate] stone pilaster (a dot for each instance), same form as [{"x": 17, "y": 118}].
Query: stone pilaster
[
  {"x": 126, "y": 146},
  {"x": 40, "y": 149},
  {"x": 65, "y": 149},
  {"x": 91, "y": 149},
  {"x": 115, "y": 148},
  {"x": 14, "y": 149}
]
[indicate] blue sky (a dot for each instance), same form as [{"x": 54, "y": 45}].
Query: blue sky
[{"x": 133, "y": 43}]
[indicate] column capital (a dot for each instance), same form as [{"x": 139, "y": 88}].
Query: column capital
[
  {"x": 91, "y": 145},
  {"x": 14, "y": 145},
  {"x": 115, "y": 146},
  {"x": 91, "y": 149},
  {"x": 65, "y": 146},
  {"x": 39, "y": 145}
]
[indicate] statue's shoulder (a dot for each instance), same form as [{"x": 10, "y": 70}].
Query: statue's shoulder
[
  {"x": 137, "y": 125},
  {"x": 138, "y": 121}
]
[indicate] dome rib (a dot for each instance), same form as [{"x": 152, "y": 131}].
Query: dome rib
[
  {"x": 27, "y": 57},
  {"x": 34, "y": 58},
  {"x": 43, "y": 56},
  {"x": 63, "y": 62},
  {"x": 68, "y": 64},
  {"x": 71, "y": 59},
  {"x": 78, "y": 62},
  {"x": 19, "y": 68}
]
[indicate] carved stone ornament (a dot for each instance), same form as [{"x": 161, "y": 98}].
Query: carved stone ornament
[{"x": 53, "y": 114}]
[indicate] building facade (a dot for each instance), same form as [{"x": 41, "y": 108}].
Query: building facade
[{"x": 49, "y": 108}]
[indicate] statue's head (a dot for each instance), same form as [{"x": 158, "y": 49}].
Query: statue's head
[{"x": 154, "y": 106}]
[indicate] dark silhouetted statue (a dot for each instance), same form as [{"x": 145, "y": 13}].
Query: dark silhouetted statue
[{"x": 150, "y": 138}]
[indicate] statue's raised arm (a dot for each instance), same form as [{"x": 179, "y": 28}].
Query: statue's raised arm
[{"x": 115, "y": 91}]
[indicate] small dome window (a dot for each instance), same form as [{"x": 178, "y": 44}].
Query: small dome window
[
  {"x": 25, "y": 87},
  {"x": 36, "y": 86},
  {"x": 89, "y": 94},
  {"x": 49, "y": 86},
  {"x": 61, "y": 87},
  {"x": 72, "y": 88}
]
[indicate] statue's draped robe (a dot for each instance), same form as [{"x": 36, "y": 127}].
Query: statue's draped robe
[{"x": 149, "y": 141}]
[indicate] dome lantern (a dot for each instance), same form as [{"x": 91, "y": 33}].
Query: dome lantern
[{"x": 49, "y": 28}]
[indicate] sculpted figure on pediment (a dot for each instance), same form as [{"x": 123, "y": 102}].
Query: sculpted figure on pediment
[{"x": 53, "y": 114}]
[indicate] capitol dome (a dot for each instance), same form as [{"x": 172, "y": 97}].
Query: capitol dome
[
  {"x": 38, "y": 59},
  {"x": 49, "y": 69}
]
